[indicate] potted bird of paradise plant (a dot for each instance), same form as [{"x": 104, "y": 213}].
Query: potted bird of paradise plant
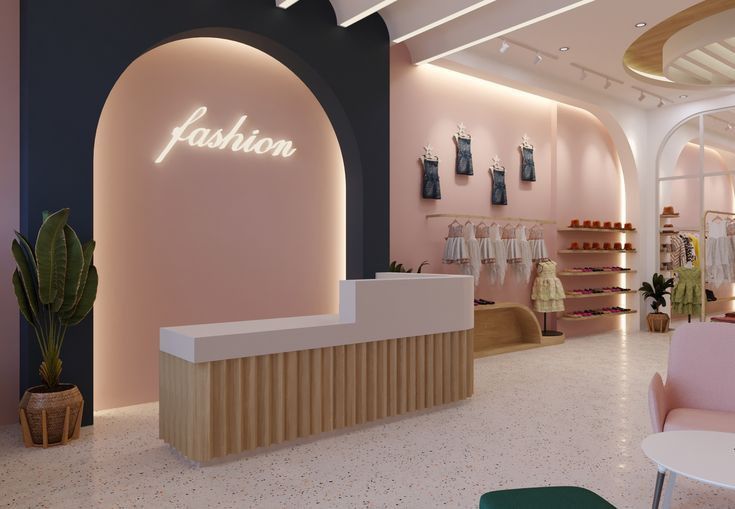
[
  {"x": 55, "y": 284},
  {"x": 657, "y": 290}
]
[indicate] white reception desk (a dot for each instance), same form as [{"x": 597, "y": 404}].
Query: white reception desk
[{"x": 400, "y": 343}]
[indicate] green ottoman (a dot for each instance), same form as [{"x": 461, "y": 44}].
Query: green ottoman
[{"x": 552, "y": 497}]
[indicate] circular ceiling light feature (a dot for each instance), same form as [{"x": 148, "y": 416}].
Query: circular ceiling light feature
[
  {"x": 683, "y": 96},
  {"x": 564, "y": 48},
  {"x": 641, "y": 24}
]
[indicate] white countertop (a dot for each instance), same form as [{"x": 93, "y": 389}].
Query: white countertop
[{"x": 394, "y": 305}]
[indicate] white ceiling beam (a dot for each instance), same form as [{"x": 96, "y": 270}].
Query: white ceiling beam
[
  {"x": 351, "y": 11},
  {"x": 489, "y": 22},
  {"x": 285, "y": 4},
  {"x": 409, "y": 18}
]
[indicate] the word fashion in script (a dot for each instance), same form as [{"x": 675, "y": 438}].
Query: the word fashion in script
[{"x": 204, "y": 137}]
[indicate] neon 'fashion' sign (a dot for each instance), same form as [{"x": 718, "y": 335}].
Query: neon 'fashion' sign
[{"x": 234, "y": 140}]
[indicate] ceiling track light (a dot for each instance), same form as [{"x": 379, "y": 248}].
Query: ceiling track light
[
  {"x": 608, "y": 83},
  {"x": 537, "y": 59},
  {"x": 729, "y": 127},
  {"x": 641, "y": 24},
  {"x": 504, "y": 46},
  {"x": 660, "y": 103},
  {"x": 582, "y": 75},
  {"x": 642, "y": 96}
]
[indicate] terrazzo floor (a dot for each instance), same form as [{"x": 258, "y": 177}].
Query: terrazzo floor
[{"x": 570, "y": 414}]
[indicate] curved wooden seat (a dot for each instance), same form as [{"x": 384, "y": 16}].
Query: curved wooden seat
[{"x": 508, "y": 327}]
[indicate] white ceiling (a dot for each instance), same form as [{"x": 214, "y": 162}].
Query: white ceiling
[{"x": 597, "y": 32}]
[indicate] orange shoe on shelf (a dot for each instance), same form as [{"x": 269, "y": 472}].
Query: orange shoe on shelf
[
  {"x": 669, "y": 211},
  {"x": 618, "y": 246},
  {"x": 607, "y": 246},
  {"x": 586, "y": 246},
  {"x": 574, "y": 246},
  {"x": 618, "y": 226},
  {"x": 628, "y": 246},
  {"x": 607, "y": 225},
  {"x": 596, "y": 224},
  {"x": 574, "y": 223},
  {"x": 628, "y": 226},
  {"x": 587, "y": 223},
  {"x": 596, "y": 245}
]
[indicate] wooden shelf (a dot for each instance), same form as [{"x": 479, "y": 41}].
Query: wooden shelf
[
  {"x": 595, "y": 273},
  {"x": 594, "y": 317},
  {"x": 667, "y": 216},
  {"x": 508, "y": 327},
  {"x": 720, "y": 299},
  {"x": 596, "y": 251},
  {"x": 593, "y": 295},
  {"x": 600, "y": 230}
]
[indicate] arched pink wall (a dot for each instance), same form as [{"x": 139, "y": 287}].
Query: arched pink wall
[
  {"x": 208, "y": 235},
  {"x": 578, "y": 172},
  {"x": 9, "y": 203}
]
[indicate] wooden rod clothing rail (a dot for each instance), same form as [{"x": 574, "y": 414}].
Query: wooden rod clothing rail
[
  {"x": 703, "y": 262},
  {"x": 492, "y": 218}
]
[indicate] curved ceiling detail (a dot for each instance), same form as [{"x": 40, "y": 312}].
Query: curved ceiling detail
[
  {"x": 645, "y": 57},
  {"x": 703, "y": 53}
]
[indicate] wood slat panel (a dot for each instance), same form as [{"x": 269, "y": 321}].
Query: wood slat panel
[
  {"x": 292, "y": 395},
  {"x": 304, "y": 389},
  {"x": 339, "y": 387},
  {"x": 279, "y": 397},
  {"x": 350, "y": 385},
  {"x": 361, "y": 377},
  {"x": 327, "y": 389},
  {"x": 217, "y": 408},
  {"x": 412, "y": 361},
  {"x": 316, "y": 390}
]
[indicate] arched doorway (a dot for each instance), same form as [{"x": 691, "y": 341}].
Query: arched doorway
[{"x": 219, "y": 195}]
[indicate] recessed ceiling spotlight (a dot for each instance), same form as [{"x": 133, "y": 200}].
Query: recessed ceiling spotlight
[
  {"x": 683, "y": 96},
  {"x": 642, "y": 96},
  {"x": 729, "y": 127},
  {"x": 537, "y": 59},
  {"x": 504, "y": 46},
  {"x": 564, "y": 48},
  {"x": 608, "y": 83},
  {"x": 583, "y": 74},
  {"x": 641, "y": 24},
  {"x": 660, "y": 102}
]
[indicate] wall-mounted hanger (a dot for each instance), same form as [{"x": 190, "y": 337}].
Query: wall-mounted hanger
[
  {"x": 497, "y": 164},
  {"x": 429, "y": 153},
  {"x": 462, "y": 131},
  {"x": 526, "y": 143}
]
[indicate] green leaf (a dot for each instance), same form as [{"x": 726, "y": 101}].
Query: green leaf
[
  {"x": 425, "y": 262},
  {"x": 86, "y": 301},
  {"x": 51, "y": 256},
  {"x": 20, "y": 294},
  {"x": 27, "y": 274},
  {"x": 75, "y": 263}
]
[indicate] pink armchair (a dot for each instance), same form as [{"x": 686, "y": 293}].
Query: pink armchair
[{"x": 700, "y": 386}]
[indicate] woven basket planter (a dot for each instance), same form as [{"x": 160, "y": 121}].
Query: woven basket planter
[
  {"x": 658, "y": 322},
  {"x": 50, "y": 418}
]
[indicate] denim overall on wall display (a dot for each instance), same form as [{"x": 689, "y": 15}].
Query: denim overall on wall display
[
  {"x": 431, "y": 180},
  {"x": 464, "y": 157},
  {"x": 499, "y": 195},
  {"x": 528, "y": 169}
]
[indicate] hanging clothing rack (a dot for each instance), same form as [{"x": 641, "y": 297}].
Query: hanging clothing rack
[
  {"x": 703, "y": 262},
  {"x": 492, "y": 218}
]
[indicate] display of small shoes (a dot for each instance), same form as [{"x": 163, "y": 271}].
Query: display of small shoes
[
  {"x": 597, "y": 312},
  {"x": 589, "y": 291},
  {"x": 483, "y": 302},
  {"x": 597, "y": 269}
]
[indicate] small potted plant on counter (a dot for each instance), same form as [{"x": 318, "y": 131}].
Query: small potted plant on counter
[
  {"x": 56, "y": 286},
  {"x": 657, "y": 290},
  {"x": 398, "y": 267}
]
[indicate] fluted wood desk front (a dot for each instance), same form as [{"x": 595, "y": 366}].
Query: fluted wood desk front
[{"x": 216, "y": 407}]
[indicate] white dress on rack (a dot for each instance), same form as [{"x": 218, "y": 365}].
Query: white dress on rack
[
  {"x": 524, "y": 266},
  {"x": 473, "y": 251},
  {"x": 455, "y": 248},
  {"x": 497, "y": 262},
  {"x": 719, "y": 254},
  {"x": 538, "y": 245}
]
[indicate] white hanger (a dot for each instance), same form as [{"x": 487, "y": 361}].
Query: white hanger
[
  {"x": 462, "y": 131},
  {"x": 526, "y": 143},
  {"x": 429, "y": 153},
  {"x": 496, "y": 164}
]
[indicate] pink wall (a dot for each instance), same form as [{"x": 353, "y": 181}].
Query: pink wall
[
  {"x": 208, "y": 235},
  {"x": 9, "y": 203},
  {"x": 577, "y": 168}
]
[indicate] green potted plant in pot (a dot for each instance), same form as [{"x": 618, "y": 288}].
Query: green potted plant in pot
[
  {"x": 55, "y": 283},
  {"x": 657, "y": 290}
]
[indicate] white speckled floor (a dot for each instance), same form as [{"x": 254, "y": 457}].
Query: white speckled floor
[{"x": 572, "y": 414}]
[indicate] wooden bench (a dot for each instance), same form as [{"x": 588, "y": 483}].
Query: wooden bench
[{"x": 508, "y": 327}]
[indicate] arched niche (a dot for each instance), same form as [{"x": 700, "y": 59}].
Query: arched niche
[{"x": 219, "y": 195}]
